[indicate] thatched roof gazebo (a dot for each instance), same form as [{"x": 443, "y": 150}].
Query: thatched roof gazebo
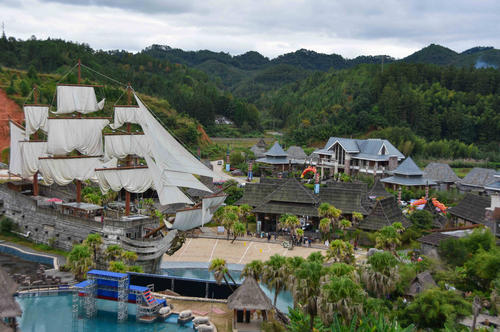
[
  {"x": 423, "y": 281},
  {"x": 249, "y": 297},
  {"x": 9, "y": 308}
]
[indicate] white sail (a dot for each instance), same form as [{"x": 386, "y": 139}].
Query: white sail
[
  {"x": 35, "y": 117},
  {"x": 178, "y": 179},
  {"x": 167, "y": 152},
  {"x": 17, "y": 134},
  {"x": 77, "y": 98},
  {"x": 209, "y": 205},
  {"x": 82, "y": 134},
  {"x": 166, "y": 194},
  {"x": 120, "y": 146},
  {"x": 134, "y": 180},
  {"x": 188, "y": 219},
  {"x": 64, "y": 170},
  {"x": 126, "y": 114},
  {"x": 30, "y": 152}
]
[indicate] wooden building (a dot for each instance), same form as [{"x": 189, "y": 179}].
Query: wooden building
[
  {"x": 442, "y": 174},
  {"x": 408, "y": 175},
  {"x": 385, "y": 212}
]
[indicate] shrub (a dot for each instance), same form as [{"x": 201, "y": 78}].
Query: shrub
[{"x": 6, "y": 225}]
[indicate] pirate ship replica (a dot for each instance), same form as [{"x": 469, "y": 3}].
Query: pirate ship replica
[{"x": 77, "y": 151}]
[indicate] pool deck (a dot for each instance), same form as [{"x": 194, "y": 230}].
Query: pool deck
[{"x": 198, "y": 252}]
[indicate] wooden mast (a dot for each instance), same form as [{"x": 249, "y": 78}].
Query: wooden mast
[
  {"x": 35, "y": 136},
  {"x": 129, "y": 161},
  {"x": 78, "y": 183}
]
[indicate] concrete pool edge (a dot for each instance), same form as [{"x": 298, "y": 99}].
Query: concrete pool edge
[
  {"x": 197, "y": 265},
  {"x": 28, "y": 253}
]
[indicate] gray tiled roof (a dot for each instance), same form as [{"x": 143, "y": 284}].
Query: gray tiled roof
[
  {"x": 296, "y": 152},
  {"x": 471, "y": 208},
  {"x": 479, "y": 177},
  {"x": 258, "y": 151},
  {"x": 493, "y": 186},
  {"x": 261, "y": 143},
  {"x": 434, "y": 239},
  {"x": 408, "y": 181},
  {"x": 440, "y": 172},
  {"x": 276, "y": 151},
  {"x": 273, "y": 160},
  {"x": 364, "y": 149},
  {"x": 347, "y": 200},
  {"x": 408, "y": 167},
  {"x": 385, "y": 212}
]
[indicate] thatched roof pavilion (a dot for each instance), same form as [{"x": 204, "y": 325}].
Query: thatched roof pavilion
[
  {"x": 423, "y": 281},
  {"x": 247, "y": 298},
  {"x": 9, "y": 308}
]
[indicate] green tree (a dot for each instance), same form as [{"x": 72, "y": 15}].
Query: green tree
[
  {"x": 254, "y": 269},
  {"x": 291, "y": 222},
  {"x": 113, "y": 252},
  {"x": 388, "y": 238},
  {"x": 434, "y": 308},
  {"x": 380, "y": 276},
  {"x": 117, "y": 266},
  {"x": 357, "y": 217},
  {"x": 324, "y": 227},
  {"x": 245, "y": 211},
  {"x": 275, "y": 274},
  {"x": 342, "y": 295},
  {"x": 94, "y": 242},
  {"x": 340, "y": 251},
  {"x": 80, "y": 260},
  {"x": 238, "y": 229},
  {"x": 129, "y": 257},
  {"x": 219, "y": 267},
  {"x": 329, "y": 211},
  {"x": 422, "y": 219}
]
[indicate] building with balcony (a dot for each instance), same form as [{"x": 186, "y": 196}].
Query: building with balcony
[{"x": 351, "y": 156}]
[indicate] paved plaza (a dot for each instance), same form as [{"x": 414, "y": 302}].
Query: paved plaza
[{"x": 239, "y": 252}]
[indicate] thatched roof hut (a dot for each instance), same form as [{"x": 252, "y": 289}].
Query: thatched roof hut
[
  {"x": 9, "y": 308},
  {"x": 249, "y": 296}
]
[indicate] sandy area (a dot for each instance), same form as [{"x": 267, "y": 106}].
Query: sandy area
[{"x": 239, "y": 252}]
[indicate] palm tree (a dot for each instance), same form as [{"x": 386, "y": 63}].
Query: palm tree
[
  {"x": 275, "y": 274},
  {"x": 117, "y": 266},
  {"x": 238, "y": 229},
  {"x": 291, "y": 222},
  {"x": 307, "y": 287},
  {"x": 324, "y": 227},
  {"x": 331, "y": 212},
  {"x": 244, "y": 212},
  {"x": 80, "y": 260},
  {"x": 380, "y": 276},
  {"x": 94, "y": 242},
  {"x": 228, "y": 220},
  {"x": 356, "y": 217},
  {"x": 343, "y": 225},
  {"x": 340, "y": 251},
  {"x": 388, "y": 238},
  {"x": 342, "y": 295},
  {"x": 219, "y": 267},
  {"x": 254, "y": 269},
  {"x": 129, "y": 257},
  {"x": 113, "y": 252}
]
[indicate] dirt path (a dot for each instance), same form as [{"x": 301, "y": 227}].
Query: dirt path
[{"x": 8, "y": 108}]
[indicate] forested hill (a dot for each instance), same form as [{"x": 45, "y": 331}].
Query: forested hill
[
  {"x": 189, "y": 91},
  {"x": 436, "y": 103}
]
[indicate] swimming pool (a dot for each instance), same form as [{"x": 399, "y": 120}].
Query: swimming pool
[
  {"x": 54, "y": 314},
  {"x": 284, "y": 298}
]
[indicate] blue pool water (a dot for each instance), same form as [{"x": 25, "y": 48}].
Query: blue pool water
[
  {"x": 54, "y": 314},
  {"x": 284, "y": 301}
]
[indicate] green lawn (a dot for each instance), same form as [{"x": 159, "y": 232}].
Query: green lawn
[
  {"x": 38, "y": 247},
  {"x": 461, "y": 172}
]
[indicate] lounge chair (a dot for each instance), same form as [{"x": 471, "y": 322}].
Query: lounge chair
[{"x": 185, "y": 316}]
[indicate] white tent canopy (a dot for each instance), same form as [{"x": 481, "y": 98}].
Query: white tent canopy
[
  {"x": 82, "y": 134},
  {"x": 77, "y": 98},
  {"x": 35, "y": 117}
]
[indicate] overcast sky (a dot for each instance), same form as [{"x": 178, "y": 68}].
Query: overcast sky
[{"x": 271, "y": 27}]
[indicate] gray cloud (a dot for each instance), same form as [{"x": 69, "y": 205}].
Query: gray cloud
[{"x": 271, "y": 27}]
